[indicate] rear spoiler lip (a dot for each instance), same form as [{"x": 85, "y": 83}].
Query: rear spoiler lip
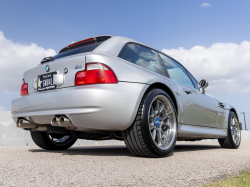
[
  {"x": 85, "y": 39},
  {"x": 75, "y": 43},
  {"x": 50, "y": 58}
]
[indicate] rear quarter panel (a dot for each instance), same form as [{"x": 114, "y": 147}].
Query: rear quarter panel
[{"x": 129, "y": 72}]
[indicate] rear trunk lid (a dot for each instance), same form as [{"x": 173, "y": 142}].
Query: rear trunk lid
[
  {"x": 65, "y": 68},
  {"x": 59, "y": 71}
]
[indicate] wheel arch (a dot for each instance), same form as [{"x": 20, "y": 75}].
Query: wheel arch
[
  {"x": 234, "y": 110},
  {"x": 166, "y": 89}
]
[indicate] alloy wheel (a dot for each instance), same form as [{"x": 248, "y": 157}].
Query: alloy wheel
[
  {"x": 162, "y": 122},
  {"x": 235, "y": 129}
]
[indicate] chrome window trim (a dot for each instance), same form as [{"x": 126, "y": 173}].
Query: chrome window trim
[{"x": 191, "y": 78}]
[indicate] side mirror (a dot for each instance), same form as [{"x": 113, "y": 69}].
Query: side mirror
[{"x": 202, "y": 85}]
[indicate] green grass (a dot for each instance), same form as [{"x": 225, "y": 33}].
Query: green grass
[{"x": 241, "y": 180}]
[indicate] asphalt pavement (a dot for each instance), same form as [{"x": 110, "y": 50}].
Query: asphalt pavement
[{"x": 191, "y": 164}]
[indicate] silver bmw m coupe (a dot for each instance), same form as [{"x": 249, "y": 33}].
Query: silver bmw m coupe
[{"x": 112, "y": 87}]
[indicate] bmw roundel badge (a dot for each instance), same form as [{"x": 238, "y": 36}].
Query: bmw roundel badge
[
  {"x": 47, "y": 68},
  {"x": 157, "y": 122}
]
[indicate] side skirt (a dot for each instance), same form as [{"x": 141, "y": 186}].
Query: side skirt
[{"x": 194, "y": 131}]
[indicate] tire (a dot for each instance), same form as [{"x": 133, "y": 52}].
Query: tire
[
  {"x": 47, "y": 140},
  {"x": 139, "y": 138},
  {"x": 233, "y": 133}
]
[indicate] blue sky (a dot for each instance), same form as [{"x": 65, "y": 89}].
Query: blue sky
[{"x": 160, "y": 24}]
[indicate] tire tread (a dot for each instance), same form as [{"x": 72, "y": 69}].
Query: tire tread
[
  {"x": 42, "y": 140},
  {"x": 228, "y": 142},
  {"x": 133, "y": 136}
]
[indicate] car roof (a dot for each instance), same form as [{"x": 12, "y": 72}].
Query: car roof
[{"x": 115, "y": 44}]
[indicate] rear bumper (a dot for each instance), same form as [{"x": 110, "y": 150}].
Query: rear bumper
[{"x": 102, "y": 106}]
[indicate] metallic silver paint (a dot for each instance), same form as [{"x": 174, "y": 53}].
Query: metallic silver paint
[
  {"x": 192, "y": 131},
  {"x": 58, "y": 79},
  {"x": 114, "y": 106},
  {"x": 222, "y": 121},
  {"x": 199, "y": 109},
  {"x": 91, "y": 106}
]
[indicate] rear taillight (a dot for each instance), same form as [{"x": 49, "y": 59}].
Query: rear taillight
[
  {"x": 95, "y": 73},
  {"x": 24, "y": 88}
]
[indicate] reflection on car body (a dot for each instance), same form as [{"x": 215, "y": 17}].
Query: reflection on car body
[{"x": 118, "y": 88}]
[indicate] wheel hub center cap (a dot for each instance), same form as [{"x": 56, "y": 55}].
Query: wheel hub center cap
[{"x": 157, "y": 122}]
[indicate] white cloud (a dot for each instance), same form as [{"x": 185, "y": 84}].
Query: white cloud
[
  {"x": 205, "y": 5},
  {"x": 226, "y": 66},
  {"x": 15, "y": 59}
]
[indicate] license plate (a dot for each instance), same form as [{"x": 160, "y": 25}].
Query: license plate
[{"x": 45, "y": 82}]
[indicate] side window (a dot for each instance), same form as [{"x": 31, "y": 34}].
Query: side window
[
  {"x": 176, "y": 71},
  {"x": 142, "y": 56},
  {"x": 194, "y": 80}
]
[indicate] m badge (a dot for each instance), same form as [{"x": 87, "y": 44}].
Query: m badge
[{"x": 78, "y": 66}]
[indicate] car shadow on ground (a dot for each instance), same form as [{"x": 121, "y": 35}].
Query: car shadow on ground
[
  {"x": 120, "y": 150},
  {"x": 91, "y": 151},
  {"x": 200, "y": 147}
]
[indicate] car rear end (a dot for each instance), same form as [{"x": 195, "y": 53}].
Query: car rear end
[{"x": 81, "y": 88}]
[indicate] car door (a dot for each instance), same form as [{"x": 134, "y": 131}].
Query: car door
[{"x": 199, "y": 109}]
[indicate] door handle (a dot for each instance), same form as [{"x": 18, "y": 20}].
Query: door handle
[{"x": 187, "y": 91}]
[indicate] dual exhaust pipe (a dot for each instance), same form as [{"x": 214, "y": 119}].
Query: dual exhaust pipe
[
  {"x": 24, "y": 124},
  {"x": 61, "y": 122},
  {"x": 56, "y": 121},
  {"x": 27, "y": 125}
]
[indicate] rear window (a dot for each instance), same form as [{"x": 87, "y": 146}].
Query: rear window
[
  {"x": 84, "y": 49},
  {"x": 142, "y": 56}
]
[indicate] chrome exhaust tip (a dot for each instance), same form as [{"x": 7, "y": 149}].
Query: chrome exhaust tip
[
  {"x": 65, "y": 122},
  {"x": 17, "y": 123},
  {"x": 54, "y": 121},
  {"x": 24, "y": 124}
]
